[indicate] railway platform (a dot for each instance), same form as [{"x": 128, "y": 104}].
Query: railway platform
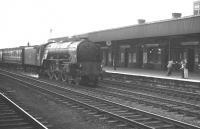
[{"x": 176, "y": 75}]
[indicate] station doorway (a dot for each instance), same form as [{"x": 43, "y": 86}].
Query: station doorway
[
  {"x": 126, "y": 57},
  {"x": 190, "y": 59}
]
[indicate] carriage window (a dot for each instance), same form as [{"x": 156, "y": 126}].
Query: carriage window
[{"x": 129, "y": 58}]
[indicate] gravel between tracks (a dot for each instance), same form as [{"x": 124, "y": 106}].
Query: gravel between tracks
[
  {"x": 58, "y": 115},
  {"x": 65, "y": 117}
]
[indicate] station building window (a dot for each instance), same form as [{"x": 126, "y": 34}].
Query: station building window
[
  {"x": 104, "y": 58},
  {"x": 134, "y": 57},
  {"x": 104, "y": 51},
  {"x": 109, "y": 57},
  {"x": 144, "y": 57},
  {"x": 125, "y": 55},
  {"x": 130, "y": 58},
  {"x": 154, "y": 55},
  {"x": 122, "y": 57},
  {"x": 197, "y": 59}
]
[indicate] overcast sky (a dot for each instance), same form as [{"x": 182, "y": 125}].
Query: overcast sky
[{"x": 25, "y": 21}]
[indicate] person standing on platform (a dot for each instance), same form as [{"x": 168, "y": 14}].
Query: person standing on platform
[
  {"x": 170, "y": 67},
  {"x": 184, "y": 69},
  {"x": 102, "y": 71},
  {"x": 114, "y": 64}
]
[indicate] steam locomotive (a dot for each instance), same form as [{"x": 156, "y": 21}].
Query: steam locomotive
[{"x": 73, "y": 61}]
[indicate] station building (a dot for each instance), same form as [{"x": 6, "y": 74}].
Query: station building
[
  {"x": 196, "y": 7},
  {"x": 151, "y": 45}
]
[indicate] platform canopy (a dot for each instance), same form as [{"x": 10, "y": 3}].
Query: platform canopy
[{"x": 170, "y": 27}]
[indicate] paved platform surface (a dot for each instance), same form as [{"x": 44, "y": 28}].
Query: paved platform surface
[{"x": 176, "y": 75}]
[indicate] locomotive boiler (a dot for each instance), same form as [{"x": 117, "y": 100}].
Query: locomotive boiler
[{"x": 76, "y": 61}]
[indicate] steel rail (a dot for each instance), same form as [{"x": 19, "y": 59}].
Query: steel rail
[
  {"x": 183, "y": 85},
  {"x": 171, "y": 121},
  {"x": 14, "y": 116},
  {"x": 157, "y": 90}
]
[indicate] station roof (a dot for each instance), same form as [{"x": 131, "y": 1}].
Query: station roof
[
  {"x": 58, "y": 39},
  {"x": 170, "y": 27}
]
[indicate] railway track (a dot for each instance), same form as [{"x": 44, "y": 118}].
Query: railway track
[
  {"x": 105, "y": 109},
  {"x": 178, "y": 109},
  {"x": 130, "y": 96},
  {"x": 182, "y": 95},
  {"x": 14, "y": 117},
  {"x": 184, "y": 110},
  {"x": 193, "y": 87}
]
